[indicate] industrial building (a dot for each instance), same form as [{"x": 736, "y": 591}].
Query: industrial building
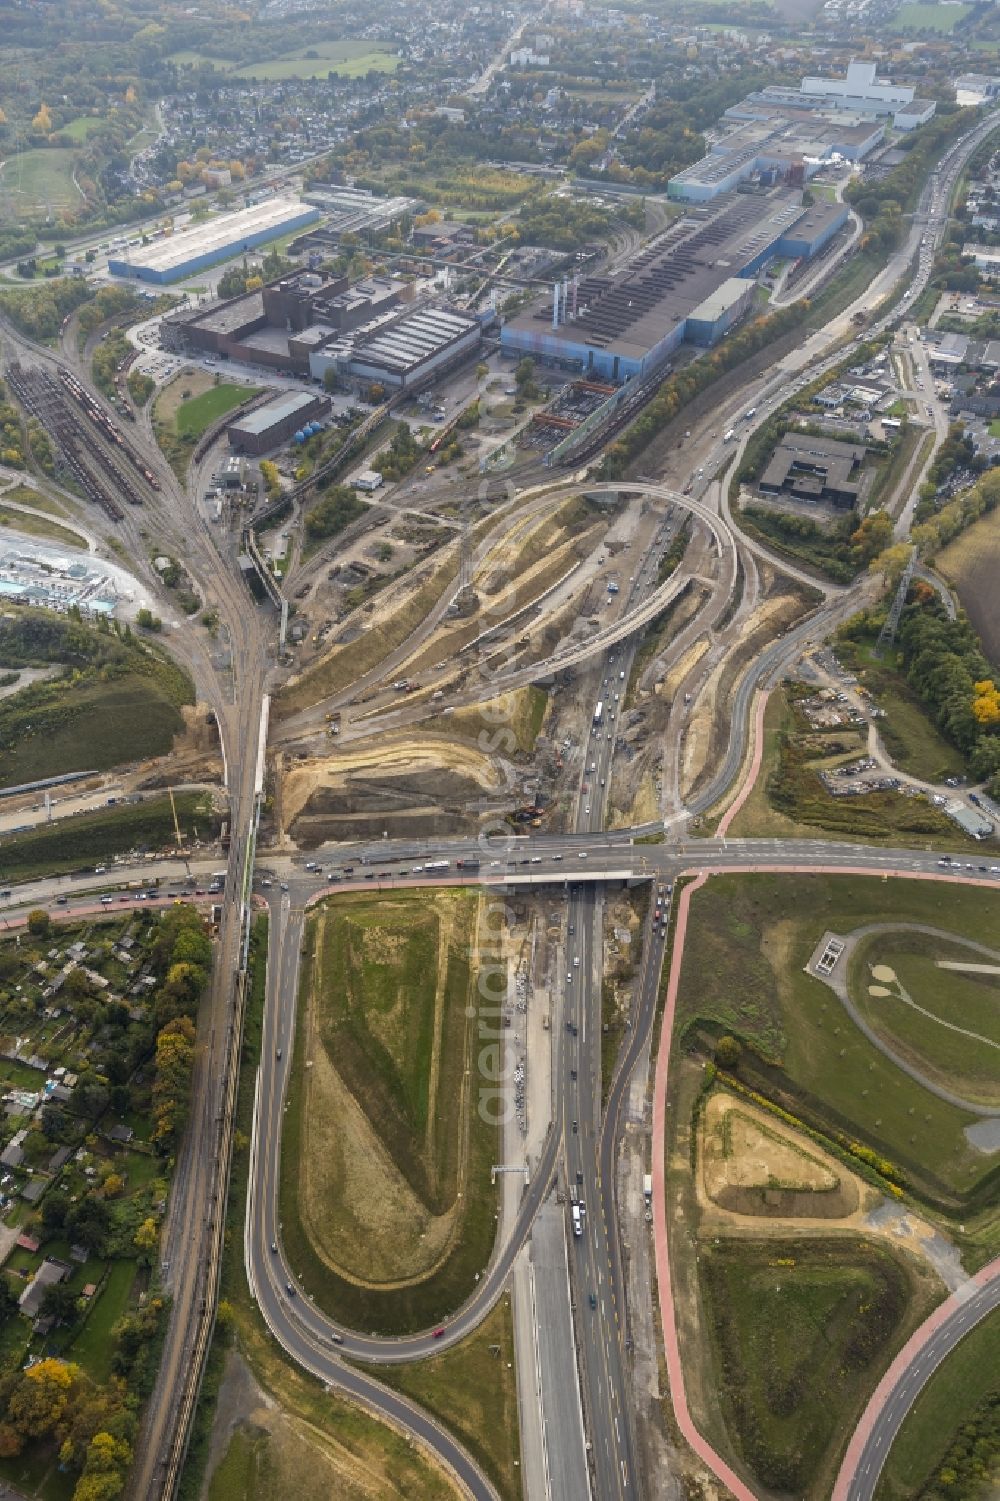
[
  {"x": 357, "y": 210},
  {"x": 273, "y": 424},
  {"x": 817, "y": 469},
  {"x": 693, "y": 282},
  {"x": 218, "y": 239},
  {"x": 860, "y": 94},
  {"x": 789, "y": 134},
  {"x": 773, "y": 147},
  {"x": 401, "y": 352},
  {"x": 284, "y": 322}
]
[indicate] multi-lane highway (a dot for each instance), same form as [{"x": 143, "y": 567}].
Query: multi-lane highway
[{"x": 234, "y": 685}]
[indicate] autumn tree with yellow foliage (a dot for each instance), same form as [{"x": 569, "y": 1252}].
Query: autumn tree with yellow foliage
[{"x": 986, "y": 702}]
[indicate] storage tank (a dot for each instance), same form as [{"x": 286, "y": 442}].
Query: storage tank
[{"x": 298, "y": 437}]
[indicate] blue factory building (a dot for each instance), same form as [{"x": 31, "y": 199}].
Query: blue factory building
[
  {"x": 694, "y": 283},
  {"x": 219, "y": 239}
]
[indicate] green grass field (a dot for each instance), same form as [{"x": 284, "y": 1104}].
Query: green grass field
[
  {"x": 25, "y": 495},
  {"x": 82, "y": 127},
  {"x": 386, "y": 1200},
  {"x": 966, "y": 1065},
  {"x": 474, "y": 1392},
  {"x": 94, "y": 838},
  {"x": 748, "y": 942},
  {"x": 798, "y": 1332},
  {"x": 196, "y": 416},
  {"x": 40, "y": 180},
  {"x": 346, "y": 58},
  {"x": 93, "y": 1346},
  {"x": 104, "y": 724},
  {"x": 913, "y": 16},
  {"x": 950, "y": 1397}
]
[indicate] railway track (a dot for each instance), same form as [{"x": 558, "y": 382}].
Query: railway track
[{"x": 89, "y": 446}]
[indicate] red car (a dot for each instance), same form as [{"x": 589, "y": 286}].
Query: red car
[{"x": 438, "y": 1331}]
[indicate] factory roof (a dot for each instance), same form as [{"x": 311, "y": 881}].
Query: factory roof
[
  {"x": 275, "y": 411},
  {"x": 414, "y": 337},
  {"x": 634, "y": 309},
  {"x": 723, "y": 298},
  {"x": 232, "y": 316},
  {"x": 219, "y": 233},
  {"x": 816, "y": 218}
]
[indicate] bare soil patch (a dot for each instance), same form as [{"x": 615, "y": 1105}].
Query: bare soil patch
[{"x": 752, "y": 1166}]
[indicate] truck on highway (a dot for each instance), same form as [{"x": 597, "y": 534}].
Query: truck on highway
[
  {"x": 647, "y": 1187},
  {"x": 433, "y": 865},
  {"x": 577, "y": 1219},
  {"x": 599, "y": 712},
  {"x": 467, "y": 864}
]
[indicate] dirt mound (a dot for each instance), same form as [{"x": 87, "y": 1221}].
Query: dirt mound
[
  {"x": 752, "y": 1165},
  {"x": 382, "y": 1234},
  {"x": 437, "y": 768}
]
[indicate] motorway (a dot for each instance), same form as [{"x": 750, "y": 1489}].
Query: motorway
[{"x": 236, "y": 690}]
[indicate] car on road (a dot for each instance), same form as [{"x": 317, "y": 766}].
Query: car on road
[
  {"x": 438, "y": 1332},
  {"x": 278, "y": 1053},
  {"x": 593, "y": 1300},
  {"x": 289, "y": 1289},
  {"x": 274, "y": 1246}
]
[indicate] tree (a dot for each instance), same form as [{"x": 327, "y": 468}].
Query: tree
[
  {"x": 43, "y": 1396},
  {"x": 147, "y": 621},
  {"x": 11, "y": 1442},
  {"x": 147, "y": 1237},
  {"x": 728, "y": 1051},
  {"x": 174, "y": 1064},
  {"x": 54, "y": 1210},
  {"x": 59, "y": 1303},
  {"x": 105, "y": 1469},
  {"x": 39, "y": 923},
  {"x": 8, "y": 1301},
  {"x": 89, "y": 1222},
  {"x": 272, "y": 479}
]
